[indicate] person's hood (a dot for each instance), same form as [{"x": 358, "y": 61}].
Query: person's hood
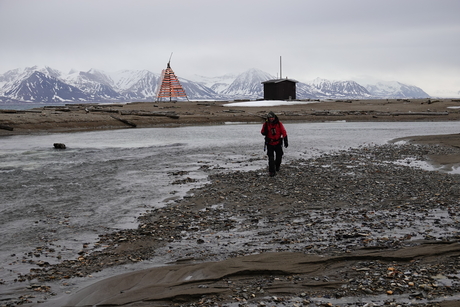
[{"x": 272, "y": 114}]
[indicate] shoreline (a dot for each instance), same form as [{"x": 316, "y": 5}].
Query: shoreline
[
  {"x": 89, "y": 117},
  {"x": 444, "y": 161}
]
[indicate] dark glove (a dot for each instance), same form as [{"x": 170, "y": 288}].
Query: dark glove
[{"x": 285, "y": 142}]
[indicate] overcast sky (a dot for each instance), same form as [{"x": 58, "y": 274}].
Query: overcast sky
[{"x": 416, "y": 42}]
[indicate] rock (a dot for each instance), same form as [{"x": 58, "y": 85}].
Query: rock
[{"x": 59, "y": 146}]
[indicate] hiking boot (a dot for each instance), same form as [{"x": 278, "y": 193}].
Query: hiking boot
[{"x": 272, "y": 174}]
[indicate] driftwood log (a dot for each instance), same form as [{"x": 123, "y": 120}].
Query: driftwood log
[
  {"x": 6, "y": 127},
  {"x": 233, "y": 111},
  {"x": 124, "y": 121},
  {"x": 145, "y": 113},
  {"x": 103, "y": 110}
]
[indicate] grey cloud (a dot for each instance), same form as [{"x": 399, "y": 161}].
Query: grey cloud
[{"x": 330, "y": 39}]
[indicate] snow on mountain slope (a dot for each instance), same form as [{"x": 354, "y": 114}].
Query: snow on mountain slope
[
  {"x": 136, "y": 84},
  {"x": 196, "y": 90},
  {"x": 94, "y": 83},
  {"x": 13, "y": 77},
  {"x": 39, "y": 87},
  {"x": 127, "y": 79},
  {"x": 307, "y": 91},
  {"x": 394, "y": 89},
  {"x": 211, "y": 81},
  {"x": 216, "y": 84},
  {"x": 248, "y": 84},
  {"x": 337, "y": 89}
]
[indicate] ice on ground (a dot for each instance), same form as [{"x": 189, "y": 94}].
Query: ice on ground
[{"x": 267, "y": 103}]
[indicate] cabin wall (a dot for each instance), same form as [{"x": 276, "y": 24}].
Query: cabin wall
[{"x": 280, "y": 91}]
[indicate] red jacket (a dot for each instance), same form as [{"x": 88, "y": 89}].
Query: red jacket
[{"x": 274, "y": 131}]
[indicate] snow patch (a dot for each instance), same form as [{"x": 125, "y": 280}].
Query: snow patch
[{"x": 267, "y": 103}]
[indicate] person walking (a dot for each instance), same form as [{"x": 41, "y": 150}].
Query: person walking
[{"x": 275, "y": 135}]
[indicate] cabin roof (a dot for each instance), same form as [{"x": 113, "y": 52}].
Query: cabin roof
[{"x": 279, "y": 81}]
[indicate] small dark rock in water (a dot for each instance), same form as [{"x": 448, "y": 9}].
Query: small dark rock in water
[{"x": 59, "y": 146}]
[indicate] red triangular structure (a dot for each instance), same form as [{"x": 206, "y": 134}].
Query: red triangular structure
[{"x": 169, "y": 85}]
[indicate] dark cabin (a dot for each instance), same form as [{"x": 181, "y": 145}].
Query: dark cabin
[{"x": 280, "y": 89}]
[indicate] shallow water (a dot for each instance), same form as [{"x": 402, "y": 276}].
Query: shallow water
[
  {"x": 34, "y": 105},
  {"x": 105, "y": 179}
]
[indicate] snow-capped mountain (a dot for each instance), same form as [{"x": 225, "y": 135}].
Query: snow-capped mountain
[
  {"x": 44, "y": 84},
  {"x": 394, "y": 89},
  {"x": 19, "y": 74},
  {"x": 217, "y": 84},
  {"x": 93, "y": 83},
  {"x": 37, "y": 84},
  {"x": 247, "y": 85},
  {"x": 41, "y": 87},
  {"x": 199, "y": 91},
  {"x": 339, "y": 89},
  {"x": 137, "y": 84}
]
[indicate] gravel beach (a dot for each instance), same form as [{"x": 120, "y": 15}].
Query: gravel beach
[
  {"x": 354, "y": 227},
  {"x": 365, "y": 226}
]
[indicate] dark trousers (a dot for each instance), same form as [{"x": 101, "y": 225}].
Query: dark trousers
[{"x": 274, "y": 163}]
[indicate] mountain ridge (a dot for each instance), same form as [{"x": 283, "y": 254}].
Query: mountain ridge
[{"x": 45, "y": 84}]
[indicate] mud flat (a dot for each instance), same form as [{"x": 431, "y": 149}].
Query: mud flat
[
  {"x": 355, "y": 227},
  {"x": 85, "y": 117}
]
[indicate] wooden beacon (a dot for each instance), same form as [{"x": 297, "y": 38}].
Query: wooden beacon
[{"x": 170, "y": 86}]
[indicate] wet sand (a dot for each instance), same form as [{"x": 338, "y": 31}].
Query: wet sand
[
  {"x": 445, "y": 161},
  {"x": 249, "y": 239}
]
